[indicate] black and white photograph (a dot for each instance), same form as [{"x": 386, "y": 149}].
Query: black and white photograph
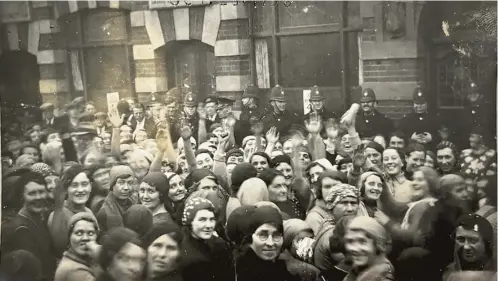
[{"x": 195, "y": 140}]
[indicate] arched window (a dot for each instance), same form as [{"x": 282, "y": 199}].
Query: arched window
[{"x": 99, "y": 54}]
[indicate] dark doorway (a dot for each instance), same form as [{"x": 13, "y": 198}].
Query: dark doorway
[
  {"x": 19, "y": 79},
  {"x": 191, "y": 64}
]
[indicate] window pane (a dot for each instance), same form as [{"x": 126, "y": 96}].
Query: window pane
[
  {"x": 104, "y": 25},
  {"x": 263, "y": 18},
  {"x": 311, "y": 60},
  {"x": 106, "y": 70},
  {"x": 301, "y": 14}
]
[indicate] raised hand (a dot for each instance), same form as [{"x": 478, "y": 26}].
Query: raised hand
[
  {"x": 314, "y": 124},
  {"x": 272, "y": 136},
  {"x": 359, "y": 159},
  {"x": 162, "y": 138},
  {"x": 297, "y": 141},
  {"x": 114, "y": 118},
  {"x": 248, "y": 152},
  {"x": 186, "y": 133}
]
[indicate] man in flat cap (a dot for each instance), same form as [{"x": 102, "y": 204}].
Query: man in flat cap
[
  {"x": 279, "y": 116},
  {"x": 101, "y": 123},
  {"x": 211, "y": 107},
  {"x": 71, "y": 120},
  {"x": 369, "y": 121},
  {"x": 141, "y": 122},
  {"x": 420, "y": 126}
]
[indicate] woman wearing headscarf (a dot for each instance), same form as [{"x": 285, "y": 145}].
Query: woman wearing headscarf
[
  {"x": 319, "y": 213},
  {"x": 152, "y": 193},
  {"x": 367, "y": 242},
  {"x": 71, "y": 197},
  {"x": 163, "y": 252},
  {"x": 473, "y": 247},
  {"x": 139, "y": 219},
  {"x": 371, "y": 185},
  {"x": 342, "y": 200},
  {"x": 264, "y": 239},
  {"x": 252, "y": 191},
  {"x": 121, "y": 256},
  {"x": 298, "y": 250},
  {"x": 205, "y": 256},
  {"x": 76, "y": 263},
  {"x": 119, "y": 199}
]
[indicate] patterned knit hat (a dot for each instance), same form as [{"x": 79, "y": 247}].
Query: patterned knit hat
[
  {"x": 192, "y": 206},
  {"x": 43, "y": 169},
  {"x": 339, "y": 192}
]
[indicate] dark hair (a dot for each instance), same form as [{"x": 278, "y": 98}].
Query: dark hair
[
  {"x": 24, "y": 179},
  {"x": 113, "y": 242},
  {"x": 400, "y": 153},
  {"x": 344, "y": 160},
  {"x": 123, "y": 107},
  {"x": 412, "y": 147},
  {"x": 262, "y": 154},
  {"x": 139, "y": 105},
  {"x": 280, "y": 159},
  {"x": 398, "y": 134},
  {"x": 335, "y": 175},
  {"x": 30, "y": 146},
  {"x": 268, "y": 175},
  {"x": 490, "y": 190},
  {"x": 450, "y": 145},
  {"x": 201, "y": 151}
]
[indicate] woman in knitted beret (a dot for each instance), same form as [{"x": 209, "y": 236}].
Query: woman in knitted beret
[
  {"x": 205, "y": 255},
  {"x": 76, "y": 263},
  {"x": 264, "y": 235}
]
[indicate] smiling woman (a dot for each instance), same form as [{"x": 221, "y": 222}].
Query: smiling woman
[{"x": 76, "y": 185}]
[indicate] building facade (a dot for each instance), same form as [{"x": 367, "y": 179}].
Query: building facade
[{"x": 64, "y": 49}]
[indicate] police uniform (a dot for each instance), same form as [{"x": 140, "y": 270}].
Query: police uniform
[
  {"x": 375, "y": 123},
  {"x": 191, "y": 121},
  {"x": 317, "y": 95},
  {"x": 420, "y": 123},
  {"x": 283, "y": 121},
  {"x": 255, "y": 113},
  {"x": 478, "y": 115}
]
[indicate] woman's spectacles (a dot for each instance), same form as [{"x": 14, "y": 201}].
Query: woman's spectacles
[{"x": 276, "y": 237}]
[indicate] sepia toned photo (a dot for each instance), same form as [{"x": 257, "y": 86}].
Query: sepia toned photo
[{"x": 196, "y": 140}]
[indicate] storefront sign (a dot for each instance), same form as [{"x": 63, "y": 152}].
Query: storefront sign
[
  {"x": 14, "y": 11},
  {"x": 162, "y": 4}
]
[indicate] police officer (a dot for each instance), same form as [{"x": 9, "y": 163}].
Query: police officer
[
  {"x": 250, "y": 104},
  {"x": 420, "y": 126},
  {"x": 156, "y": 104},
  {"x": 478, "y": 112},
  {"x": 369, "y": 121},
  {"x": 278, "y": 116},
  {"x": 190, "y": 117},
  {"x": 317, "y": 103}
]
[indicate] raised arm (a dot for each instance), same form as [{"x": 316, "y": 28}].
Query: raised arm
[
  {"x": 57, "y": 223},
  {"x": 116, "y": 122},
  {"x": 202, "y": 133},
  {"x": 219, "y": 166},
  {"x": 272, "y": 137},
  {"x": 164, "y": 147},
  {"x": 186, "y": 133}
]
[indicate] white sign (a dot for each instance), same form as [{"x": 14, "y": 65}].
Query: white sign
[
  {"x": 112, "y": 101},
  {"x": 306, "y": 101},
  {"x": 159, "y": 4}
]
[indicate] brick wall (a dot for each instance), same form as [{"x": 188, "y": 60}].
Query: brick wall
[
  {"x": 395, "y": 109},
  {"x": 233, "y": 29},
  {"x": 239, "y": 65},
  {"x": 392, "y": 70}
]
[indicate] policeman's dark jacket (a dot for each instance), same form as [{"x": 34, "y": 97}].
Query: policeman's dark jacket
[
  {"x": 282, "y": 121},
  {"x": 324, "y": 114},
  {"x": 420, "y": 123},
  {"x": 477, "y": 115},
  {"x": 210, "y": 122},
  {"x": 256, "y": 112},
  {"x": 371, "y": 125}
]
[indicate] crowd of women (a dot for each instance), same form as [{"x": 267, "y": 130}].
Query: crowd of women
[{"x": 82, "y": 203}]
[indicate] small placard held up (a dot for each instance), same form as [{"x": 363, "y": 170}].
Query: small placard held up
[{"x": 164, "y": 4}]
